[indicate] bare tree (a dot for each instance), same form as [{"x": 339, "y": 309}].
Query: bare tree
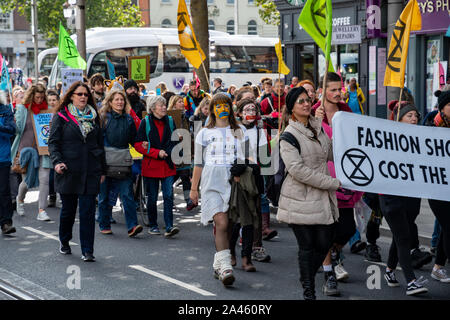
[{"x": 199, "y": 16}]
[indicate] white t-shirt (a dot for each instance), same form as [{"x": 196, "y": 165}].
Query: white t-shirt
[
  {"x": 219, "y": 147},
  {"x": 252, "y": 138}
]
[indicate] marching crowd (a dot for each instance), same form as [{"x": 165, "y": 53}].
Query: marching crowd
[{"x": 227, "y": 135}]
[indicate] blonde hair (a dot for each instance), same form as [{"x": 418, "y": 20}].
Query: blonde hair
[
  {"x": 162, "y": 86},
  {"x": 30, "y": 93},
  {"x": 106, "y": 103},
  {"x": 173, "y": 101},
  {"x": 205, "y": 102}
]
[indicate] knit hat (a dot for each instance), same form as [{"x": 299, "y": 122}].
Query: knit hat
[
  {"x": 130, "y": 83},
  {"x": 404, "y": 109},
  {"x": 443, "y": 99},
  {"x": 292, "y": 96}
]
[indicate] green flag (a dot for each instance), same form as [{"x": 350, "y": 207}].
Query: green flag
[
  {"x": 316, "y": 18},
  {"x": 67, "y": 51}
]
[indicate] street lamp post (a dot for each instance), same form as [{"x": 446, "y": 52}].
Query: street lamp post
[
  {"x": 34, "y": 33},
  {"x": 80, "y": 23}
]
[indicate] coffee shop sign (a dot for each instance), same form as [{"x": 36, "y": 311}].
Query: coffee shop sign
[
  {"x": 434, "y": 6},
  {"x": 340, "y": 21}
]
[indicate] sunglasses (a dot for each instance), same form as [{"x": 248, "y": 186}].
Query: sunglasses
[
  {"x": 80, "y": 94},
  {"x": 302, "y": 101}
]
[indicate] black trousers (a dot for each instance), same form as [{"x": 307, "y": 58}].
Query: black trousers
[
  {"x": 314, "y": 242},
  {"x": 247, "y": 239},
  {"x": 441, "y": 210},
  {"x": 400, "y": 213},
  {"x": 345, "y": 227},
  {"x": 6, "y": 209}
]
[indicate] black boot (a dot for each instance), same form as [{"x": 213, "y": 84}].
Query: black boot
[{"x": 307, "y": 274}]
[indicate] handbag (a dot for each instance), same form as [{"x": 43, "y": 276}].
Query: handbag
[
  {"x": 16, "y": 168},
  {"x": 118, "y": 163}
]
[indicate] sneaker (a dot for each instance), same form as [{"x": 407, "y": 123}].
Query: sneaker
[
  {"x": 154, "y": 230},
  {"x": 358, "y": 246},
  {"x": 259, "y": 254},
  {"x": 52, "y": 200},
  {"x": 171, "y": 232},
  {"x": 8, "y": 228},
  {"x": 42, "y": 216},
  {"x": 391, "y": 279},
  {"x": 65, "y": 249},
  {"x": 20, "y": 208},
  {"x": 106, "y": 231},
  {"x": 420, "y": 258},
  {"x": 330, "y": 286},
  {"x": 135, "y": 230},
  {"x": 88, "y": 257},
  {"x": 416, "y": 287},
  {"x": 372, "y": 253},
  {"x": 341, "y": 273},
  {"x": 440, "y": 275}
]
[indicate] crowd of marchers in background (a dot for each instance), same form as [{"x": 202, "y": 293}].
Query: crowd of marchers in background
[{"x": 90, "y": 166}]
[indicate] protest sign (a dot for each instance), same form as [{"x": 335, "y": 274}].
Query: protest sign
[
  {"x": 69, "y": 76},
  {"x": 41, "y": 126},
  {"x": 139, "y": 69},
  {"x": 388, "y": 157}
]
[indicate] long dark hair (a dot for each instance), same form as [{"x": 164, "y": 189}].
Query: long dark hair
[{"x": 67, "y": 99}]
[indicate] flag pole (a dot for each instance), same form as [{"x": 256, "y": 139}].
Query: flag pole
[
  {"x": 399, "y": 103},
  {"x": 279, "y": 103},
  {"x": 324, "y": 84},
  {"x": 204, "y": 70}
]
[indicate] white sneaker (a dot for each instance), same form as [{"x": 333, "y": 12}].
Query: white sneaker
[
  {"x": 440, "y": 275},
  {"x": 341, "y": 273},
  {"x": 42, "y": 216},
  {"x": 20, "y": 207}
]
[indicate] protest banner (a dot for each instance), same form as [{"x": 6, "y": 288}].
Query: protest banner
[
  {"x": 41, "y": 127},
  {"x": 69, "y": 76},
  {"x": 139, "y": 69},
  {"x": 389, "y": 157}
]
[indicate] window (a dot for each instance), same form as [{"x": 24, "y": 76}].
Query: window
[
  {"x": 6, "y": 22},
  {"x": 174, "y": 61},
  {"x": 252, "y": 27},
  {"x": 118, "y": 57},
  {"x": 166, "y": 23},
  {"x": 230, "y": 27},
  {"x": 251, "y": 2},
  {"x": 229, "y": 59},
  {"x": 211, "y": 25},
  {"x": 230, "y": 1},
  {"x": 166, "y": 1},
  {"x": 210, "y": 1},
  {"x": 262, "y": 59}
]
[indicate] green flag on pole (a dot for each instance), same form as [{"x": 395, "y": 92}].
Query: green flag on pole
[
  {"x": 67, "y": 51},
  {"x": 316, "y": 18}
]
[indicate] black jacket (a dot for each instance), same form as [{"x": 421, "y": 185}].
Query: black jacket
[{"x": 84, "y": 158}]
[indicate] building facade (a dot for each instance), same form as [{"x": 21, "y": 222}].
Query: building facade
[
  {"x": 16, "y": 43},
  {"x": 222, "y": 15},
  {"x": 366, "y": 61}
]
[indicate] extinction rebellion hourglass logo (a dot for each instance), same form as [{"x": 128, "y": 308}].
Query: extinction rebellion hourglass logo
[{"x": 357, "y": 167}]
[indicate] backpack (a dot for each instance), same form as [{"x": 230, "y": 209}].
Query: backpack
[
  {"x": 275, "y": 182},
  {"x": 148, "y": 128}
]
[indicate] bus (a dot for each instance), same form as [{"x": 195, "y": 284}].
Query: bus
[
  {"x": 46, "y": 58},
  {"x": 235, "y": 59}
]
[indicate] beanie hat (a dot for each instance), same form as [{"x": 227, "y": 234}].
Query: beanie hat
[
  {"x": 130, "y": 83},
  {"x": 443, "y": 99},
  {"x": 404, "y": 109},
  {"x": 292, "y": 96}
]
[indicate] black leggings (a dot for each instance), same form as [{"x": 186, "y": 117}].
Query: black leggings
[
  {"x": 314, "y": 242},
  {"x": 345, "y": 227},
  {"x": 441, "y": 210},
  {"x": 247, "y": 239},
  {"x": 185, "y": 176},
  {"x": 400, "y": 213}
]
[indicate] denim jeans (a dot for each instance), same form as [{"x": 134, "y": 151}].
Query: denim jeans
[
  {"x": 436, "y": 233},
  {"x": 125, "y": 189},
  {"x": 86, "y": 204},
  {"x": 6, "y": 209},
  {"x": 152, "y": 186}
]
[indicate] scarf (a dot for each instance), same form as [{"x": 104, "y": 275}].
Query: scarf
[
  {"x": 441, "y": 120},
  {"x": 36, "y": 108},
  {"x": 85, "y": 118}
]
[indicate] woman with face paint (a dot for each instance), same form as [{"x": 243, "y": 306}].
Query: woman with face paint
[{"x": 217, "y": 147}]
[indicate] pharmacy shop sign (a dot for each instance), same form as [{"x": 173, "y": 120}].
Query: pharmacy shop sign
[{"x": 388, "y": 157}]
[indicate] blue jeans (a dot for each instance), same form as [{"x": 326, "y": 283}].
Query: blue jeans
[
  {"x": 152, "y": 186},
  {"x": 356, "y": 237},
  {"x": 86, "y": 204},
  {"x": 436, "y": 233},
  {"x": 125, "y": 189}
]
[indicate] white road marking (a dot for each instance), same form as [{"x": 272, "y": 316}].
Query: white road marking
[
  {"x": 47, "y": 235},
  {"x": 172, "y": 280}
]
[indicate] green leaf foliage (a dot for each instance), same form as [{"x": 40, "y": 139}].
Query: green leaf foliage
[
  {"x": 268, "y": 12},
  {"x": 104, "y": 13}
]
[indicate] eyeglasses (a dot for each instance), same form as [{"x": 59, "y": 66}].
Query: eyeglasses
[
  {"x": 80, "y": 94},
  {"x": 302, "y": 101}
]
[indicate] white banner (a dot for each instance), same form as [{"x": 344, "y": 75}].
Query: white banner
[
  {"x": 69, "y": 76},
  {"x": 388, "y": 157}
]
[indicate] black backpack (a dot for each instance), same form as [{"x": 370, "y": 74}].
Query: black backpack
[{"x": 274, "y": 183}]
